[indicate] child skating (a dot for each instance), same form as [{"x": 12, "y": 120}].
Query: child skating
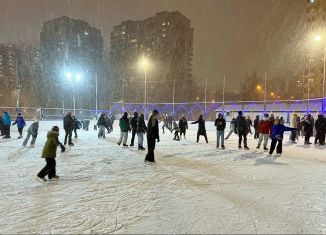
[
  {"x": 32, "y": 131},
  {"x": 176, "y": 130},
  {"x": 49, "y": 153}
]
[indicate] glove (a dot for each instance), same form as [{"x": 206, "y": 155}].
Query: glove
[
  {"x": 63, "y": 148},
  {"x": 158, "y": 140},
  {"x": 35, "y": 136}
]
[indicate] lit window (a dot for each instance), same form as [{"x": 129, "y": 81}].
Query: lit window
[
  {"x": 86, "y": 33},
  {"x": 163, "y": 23},
  {"x": 123, "y": 33},
  {"x": 163, "y": 35}
]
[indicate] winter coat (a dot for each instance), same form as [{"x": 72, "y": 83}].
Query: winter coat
[
  {"x": 101, "y": 121},
  {"x": 6, "y": 119},
  {"x": 249, "y": 123},
  {"x": 201, "y": 127},
  {"x": 152, "y": 129},
  {"x": 320, "y": 124},
  {"x": 68, "y": 122},
  {"x": 51, "y": 144},
  {"x": 220, "y": 124},
  {"x": 256, "y": 123},
  {"x": 124, "y": 124},
  {"x": 133, "y": 123},
  {"x": 175, "y": 128},
  {"x": 76, "y": 124},
  {"x": 278, "y": 130},
  {"x": 20, "y": 122},
  {"x": 140, "y": 125},
  {"x": 33, "y": 129},
  {"x": 183, "y": 125},
  {"x": 264, "y": 126},
  {"x": 241, "y": 124},
  {"x": 294, "y": 123},
  {"x": 308, "y": 126}
]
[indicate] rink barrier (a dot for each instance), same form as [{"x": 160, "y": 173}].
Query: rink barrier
[{"x": 192, "y": 110}]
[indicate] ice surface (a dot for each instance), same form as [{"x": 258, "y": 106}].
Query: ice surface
[{"x": 193, "y": 188}]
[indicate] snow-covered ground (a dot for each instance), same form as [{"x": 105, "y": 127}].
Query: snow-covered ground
[{"x": 193, "y": 188}]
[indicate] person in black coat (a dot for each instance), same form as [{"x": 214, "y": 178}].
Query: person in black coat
[
  {"x": 242, "y": 130},
  {"x": 133, "y": 125},
  {"x": 76, "y": 125},
  {"x": 308, "y": 127},
  {"x": 201, "y": 128},
  {"x": 183, "y": 125},
  {"x": 152, "y": 136},
  {"x": 320, "y": 126},
  {"x": 141, "y": 130},
  {"x": 220, "y": 127},
  {"x": 2, "y": 131},
  {"x": 68, "y": 125},
  {"x": 256, "y": 125}
]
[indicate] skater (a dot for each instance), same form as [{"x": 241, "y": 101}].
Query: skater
[
  {"x": 101, "y": 126},
  {"x": 141, "y": 130},
  {"x": 307, "y": 124},
  {"x": 32, "y": 131},
  {"x": 249, "y": 124},
  {"x": 176, "y": 130},
  {"x": 299, "y": 126},
  {"x": 6, "y": 120},
  {"x": 20, "y": 124},
  {"x": 152, "y": 136},
  {"x": 133, "y": 125},
  {"x": 277, "y": 136},
  {"x": 232, "y": 128},
  {"x": 320, "y": 126},
  {"x": 264, "y": 129},
  {"x": 124, "y": 128},
  {"x": 68, "y": 125},
  {"x": 170, "y": 121},
  {"x": 183, "y": 125},
  {"x": 201, "y": 128},
  {"x": 256, "y": 127},
  {"x": 294, "y": 124},
  {"x": 76, "y": 125},
  {"x": 164, "y": 119},
  {"x": 220, "y": 127},
  {"x": 2, "y": 131},
  {"x": 242, "y": 130},
  {"x": 49, "y": 153},
  {"x": 282, "y": 120}
]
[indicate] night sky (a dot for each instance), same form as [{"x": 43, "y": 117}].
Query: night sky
[{"x": 232, "y": 37}]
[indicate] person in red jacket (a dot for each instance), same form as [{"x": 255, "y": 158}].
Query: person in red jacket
[{"x": 264, "y": 128}]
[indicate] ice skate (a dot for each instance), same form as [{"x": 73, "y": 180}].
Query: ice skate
[{"x": 41, "y": 179}]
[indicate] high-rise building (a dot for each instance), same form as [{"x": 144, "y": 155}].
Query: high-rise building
[
  {"x": 70, "y": 46},
  {"x": 315, "y": 26},
  {"x": 166, "y": 39}
]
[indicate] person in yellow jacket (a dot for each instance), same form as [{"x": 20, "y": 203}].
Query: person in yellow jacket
[{"x": 49, "y": 153}]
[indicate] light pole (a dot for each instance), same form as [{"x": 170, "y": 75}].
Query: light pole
[
  {"x": 144, "y": 65},
  {"x": 318, "y": 38},
  {"x": 76, "y": 78},
  {"x": 265, "y": 92},
  {"x": 96, "y": 93}
]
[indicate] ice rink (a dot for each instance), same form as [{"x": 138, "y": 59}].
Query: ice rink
[{"x": 193, "y": 188}]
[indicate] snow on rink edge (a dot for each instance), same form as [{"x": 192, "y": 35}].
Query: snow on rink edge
[{"x": 193, "y": 188}]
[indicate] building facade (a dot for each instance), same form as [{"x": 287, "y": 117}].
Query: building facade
[
  {"x": 70, "y": 46},
  {"x": 315, "y": 26},
  {"x": 165, "y": 39}
]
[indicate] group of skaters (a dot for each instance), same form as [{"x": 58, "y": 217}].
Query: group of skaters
[
  {"x": 269, "y": 127},
  {"x": 273, "y": 128}
]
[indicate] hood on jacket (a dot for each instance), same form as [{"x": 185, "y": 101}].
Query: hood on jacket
[{"x": 52, "y": 134}]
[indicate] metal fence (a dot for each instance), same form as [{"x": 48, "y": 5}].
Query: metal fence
[{"x": 192, "y": 110}]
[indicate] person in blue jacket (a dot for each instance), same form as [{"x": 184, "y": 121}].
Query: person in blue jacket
[
  {"x": 277, "y": 136},
  {"x": 20, "y": 124},
  {"x": 6, "y": 121}
]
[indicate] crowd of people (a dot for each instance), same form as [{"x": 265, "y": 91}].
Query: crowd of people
[{"x": 265, "y": 129}]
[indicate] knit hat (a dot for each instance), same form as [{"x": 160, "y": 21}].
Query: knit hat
[
  {"x": 266, "y": 115},
  {"x": 240, "y": 113},
  {"x": 55, "y": 128},
  {"x": 155, "y": 111}
]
